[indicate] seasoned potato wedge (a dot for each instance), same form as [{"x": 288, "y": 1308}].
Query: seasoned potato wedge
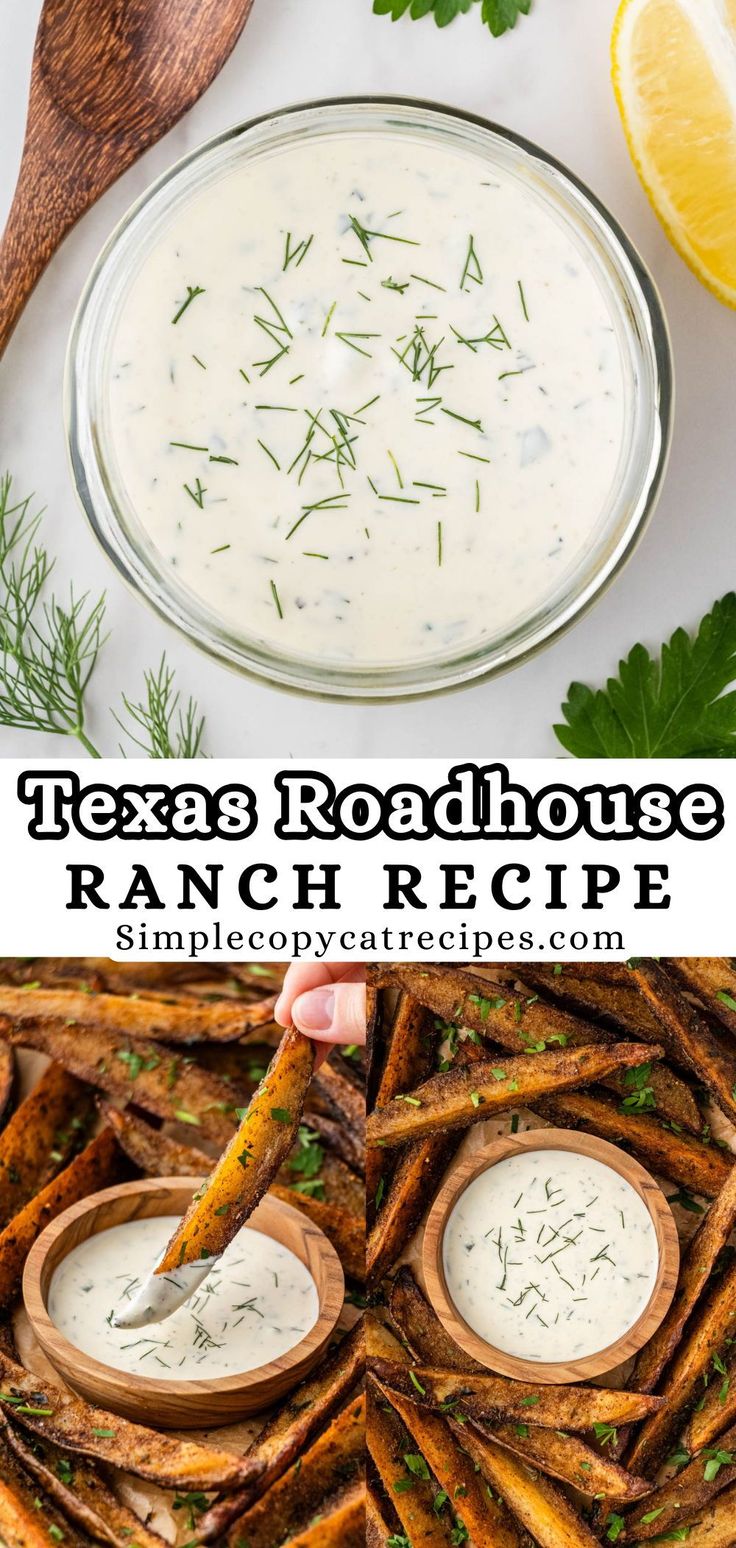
[
  {"x": 409, "y": 1049},
  {"x": 419, "y": 1324},
  {"x": 408, "y": 1060},
  {"x": 712, "y": 980},
  {"x": 487, "y": 1396},
  {"x": 466, "y": 999},
  {"x": 342, "y": 1099},
  {"x": 334, "y": 1460},
  {"x": 412, "y": 1494},
  {"x": 618, "y": 1006},
  {"x": 345, "y": 1231},
  {"x": 154, "y": 1153},
  {"x": 714, "y": 1526},
  {"x": 688, "y": 1035},
  {"x": 43, "y": 1132},
  {"x": 339, "y": 1524},
  {"x": 78, "y": 1488},
  {"x": 685, "y": 1160},
  {"x": 27, "y": 1519},
  {"x": 348, "y": 1146},
  {"x": 467, "y": 1095},
  {"x": 377, "y": 1529},
  {"x": 568, "y": 1458},
  {"x": 251, "y": 1161},
  {"x": 56, "y": 1415},
  {"x": 95, "y": 1167},
  {"x": 131, "y": 1070},
  {"x": 716, "y": 1411},
  {"x": 706, "y": 1336},
  {"x": 221, "y": 1021},
  {"x": 676, "y": 1502},
  {"x": 410, "y": 1191},
  {"x": 292, "y": 1427},
  {"x": 695, "y": 1272},
  {"x": 537, "y": 1505},
  {"x": 485, "y": 1518}
]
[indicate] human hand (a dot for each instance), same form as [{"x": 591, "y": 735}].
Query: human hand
[{"x": 326, "y": 1001}]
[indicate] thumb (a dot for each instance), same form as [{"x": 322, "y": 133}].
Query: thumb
[{"x": 335, "y": 1013}]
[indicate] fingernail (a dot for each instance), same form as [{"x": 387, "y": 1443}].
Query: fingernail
[{"x": 316, "y": 1010}]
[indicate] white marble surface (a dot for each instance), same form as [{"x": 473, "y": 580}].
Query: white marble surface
[{"x": 549, "y": 80}]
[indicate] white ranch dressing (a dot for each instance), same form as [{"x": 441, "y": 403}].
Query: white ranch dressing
[
  {"x": 438, "y": 435},
  {"x": 258, "y": 1302},
  {"x": 550, "y": 1255}
]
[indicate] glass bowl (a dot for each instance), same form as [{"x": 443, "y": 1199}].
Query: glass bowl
[{"x": 645, "y": 360}]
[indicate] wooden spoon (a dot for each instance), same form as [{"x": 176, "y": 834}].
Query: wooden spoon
[{"x": 109, "y": 79}]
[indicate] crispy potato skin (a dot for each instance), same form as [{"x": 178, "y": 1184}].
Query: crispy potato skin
[
  {"x": 685, "y": 1160},
  {"x": 344, "y": 1101},
  {"x": 714, "y": 1325},
  {"x": 618, "y": 1006},
  {"x": 486, "y": 1519},
  {"x": 709, "y": 978},
  {"x": 689, "y": 1035},
  {"x": 159, "y": 1458},
  {"x": 99, "y": 1165},
  {"x": 411, "y": 1045},
  {"x": 132, "y": 1070},
  {"x": 714, "y": 1526},
  {"x": 285, "y": 1435},
  {"x": 418, "y": 1171},
  {"x": 468, "y": 1000},
  {"x": 341, "y": 1525},
  {"x": 50, "y": 1120},
  {"x": 251, "y": 1161},
  {"x": 488, "y": 1397},
  {"x": 130, "y": 977},
  {"x": 26, "y": 1519},
  {"x": 421, "y": 1327},
  {"x": 20, "y": 1526},
  {"x": 682, "y": 1497},
  {"x": 467, "y": 1095},
  {"x": 154, "y": 1153},
  {"x": 695, "y": 1271},
  {"x": 673, "y": 1099},
  {"x": 387, "y": 1445},
  {"x": 332, "y": 1462},
  {"x": 86, "y": 1499},
  {"x": 377, "y": 1529},
  {"x": 568, "y": 1458},
  {"x": 718, "y": 1411},
  {"x": 545, "y": 1513},
  {"x": 345, "y": 1231},
  {"x": 224, "y": 1021}
]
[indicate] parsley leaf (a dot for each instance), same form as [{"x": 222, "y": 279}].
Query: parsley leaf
[
  {"x": 671, "y": 706},
  {"x": 498, "y": 15}
]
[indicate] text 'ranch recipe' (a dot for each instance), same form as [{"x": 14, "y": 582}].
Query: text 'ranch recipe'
[
  {"x": 258, "y": 1302},
  {"x": 550, "y": 1255},
  {"x": 366, "y": 398}
]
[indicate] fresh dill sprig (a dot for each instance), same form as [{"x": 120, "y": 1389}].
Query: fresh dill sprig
[
  {"x": 162, "y": 726},
  {"x": 49, "y": 651}
]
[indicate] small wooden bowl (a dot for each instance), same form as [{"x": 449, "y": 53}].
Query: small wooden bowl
[
  {"x": 179, "y": 1404},
  {"x": 554, "y": 1371}
]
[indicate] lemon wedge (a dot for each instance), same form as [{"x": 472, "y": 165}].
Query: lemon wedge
[{"x": 674, "y": 75}]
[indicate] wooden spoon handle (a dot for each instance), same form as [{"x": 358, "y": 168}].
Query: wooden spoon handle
[{"x": 63, "y": 171}]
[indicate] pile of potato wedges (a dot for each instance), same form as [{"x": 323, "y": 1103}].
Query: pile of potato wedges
[
  {"x": 148, "y": 1070},
  {"x": 644, "y": 1055}
]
